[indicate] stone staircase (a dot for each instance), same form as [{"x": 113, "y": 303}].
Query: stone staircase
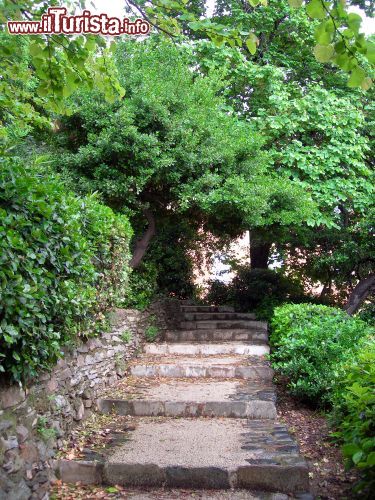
[{"x": 203, "y": 411}]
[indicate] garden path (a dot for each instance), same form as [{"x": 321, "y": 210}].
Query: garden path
[{"x": 198, "y": 412}]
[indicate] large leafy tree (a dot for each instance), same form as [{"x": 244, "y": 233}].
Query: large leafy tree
[
  {"x": 318, "y": 133},
  {"x": 173, "y": 147},
  {"x": 338, "y": 36}
]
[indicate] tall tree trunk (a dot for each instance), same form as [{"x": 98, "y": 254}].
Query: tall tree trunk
[
  {"x": 142, "y": 244},
  {"x": 259, "y": 251},
  {"x": 359, "y": 294}
]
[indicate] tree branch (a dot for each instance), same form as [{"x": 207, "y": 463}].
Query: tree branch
[
  {"x": 142, "y": 244},
  {"x": 360, "y": 293}
]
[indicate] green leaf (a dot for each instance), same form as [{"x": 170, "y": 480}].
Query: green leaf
[
  {"x": 357, "y": 456},
  {"x": 112, "y": 489},
  {"x": 251, "y": 43},
  {"x": 315, "y": 9},
  {"x": 322, "y": 36},
  {"x": 350, "y": 449},
  {"x": 354, "y": 22},
  {"x": 366, "y": 83},
  {"x": 295, "y": 4},
  {"x": 356, "y": 77},
  {"x": 324, "y": 53},
  {"x": 343, "y": 61},
  {"x": 371, "y": 459},
  {"x": 370, "y": 54}
]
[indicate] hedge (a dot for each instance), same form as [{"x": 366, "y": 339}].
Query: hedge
[
  {"x": 63, "y": 263},
  {"x": 353, "y": 414},
  {"x": 310, "y": 343}
]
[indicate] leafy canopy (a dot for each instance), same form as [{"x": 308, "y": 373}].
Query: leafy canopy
[
  {"x": 338, "y": 35},
  {"x": 173, "y": 145}
]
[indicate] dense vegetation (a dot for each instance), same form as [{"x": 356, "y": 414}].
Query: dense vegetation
[
  {"x": 63, "y": 263},
  {"x": 310, "y": 343},
  {"x": 157, "y": 155},
  {"x": 328, "y": 359},
  {"x": 354, "y": 413}
]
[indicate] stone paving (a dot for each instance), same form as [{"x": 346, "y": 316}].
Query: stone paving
[{"x": 203, "y": 417}]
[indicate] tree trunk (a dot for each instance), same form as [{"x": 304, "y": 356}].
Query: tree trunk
[
  {"x": 142, "y": 244},
  {"x": 259, "y": 251},
  {"x": 327, "y": 288},
  {"x": 359, "y": 294}
]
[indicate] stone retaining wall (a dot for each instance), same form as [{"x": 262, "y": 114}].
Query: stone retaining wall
[{"x": 35, "y": 421}]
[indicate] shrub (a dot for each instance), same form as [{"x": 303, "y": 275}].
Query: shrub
[
  {"x": 367, "y": 313},
  {"x": 126, "y": 336},
  {"x": 219, "y": 293},
  {"x": 108, "y": 236},
  {"x": 151, "y": 333},
  {"x": 62, "y": 263},
  {"x": 311, "y": 341},
  {"x": 354, "y": 413},
  {"x": 258, "y": 290},
  {"x": 142, "y": 286},
  {"x": 253, "y": 286}
]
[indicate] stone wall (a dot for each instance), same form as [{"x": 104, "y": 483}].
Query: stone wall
[{"x": 34, "y": 421}]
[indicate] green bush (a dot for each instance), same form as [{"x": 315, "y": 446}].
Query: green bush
[
  {"x": 367, "y": 313},
  {"x": 62, "y": 264},
  {"x": 126, "y": 336},
  {"x": 142, "y": 286},
  {"x": 354, "y": 414},
  {"x": 256, "y": 290},
  {"x": 151, "y": 333},
  {"x": 251, "y": 287},
  {"x": 219, "y": 293},
  {"x": 310, "y": 344},
  {"x": 108, "y": 235}
]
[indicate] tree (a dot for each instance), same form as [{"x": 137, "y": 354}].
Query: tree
[
  {"x": 318, "y": 132},
  {"x": 338, "y": 36},
  {"x": 172, "y": 147},
  {"x": 39, "y": 71}
]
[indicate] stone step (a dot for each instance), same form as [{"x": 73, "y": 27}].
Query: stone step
[
  {"x": 188, "y": 349},
  {"x": 197, "y": 454},
  {"x": 218, "y": 335},
  {"x": 217, "y": 316},
  {"x": 182, "y": 398},
  {"x": 203, "y": 367},
  {"x": 258, "y": 326},
  {"x": 207, "y": 309}
]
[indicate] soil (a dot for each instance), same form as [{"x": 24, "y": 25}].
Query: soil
[{"x": 328, "y": 478}]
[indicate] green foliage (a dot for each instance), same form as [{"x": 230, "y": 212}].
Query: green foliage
[
  {"x": 126, "y": 336},
  {"x": 258, "y": 290},
  {"x": 39, "y": 71},
  {"x": 218, "y": 293},
  {"x": 44, "y": 430},
  {"x": 318, "y": 135},
  {"x": 252, "y": 286},
  {"x": 310, "y": 343},
  {"x": 338, "y": 36},
  {"x": 320, "y": 149},
  {"x": 63, "y": 263},
  {"x": 354, "y": 414},
  {"x": 142, "y": 287},
  {"x": 151, "y": 333},
  {"x": 367, "y": 313},
  {"x": 185, "y": 153},
  {"x": 174, "y": 263}
]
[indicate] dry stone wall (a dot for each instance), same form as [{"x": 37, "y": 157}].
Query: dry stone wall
[{"x": 34, "y": 421}]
